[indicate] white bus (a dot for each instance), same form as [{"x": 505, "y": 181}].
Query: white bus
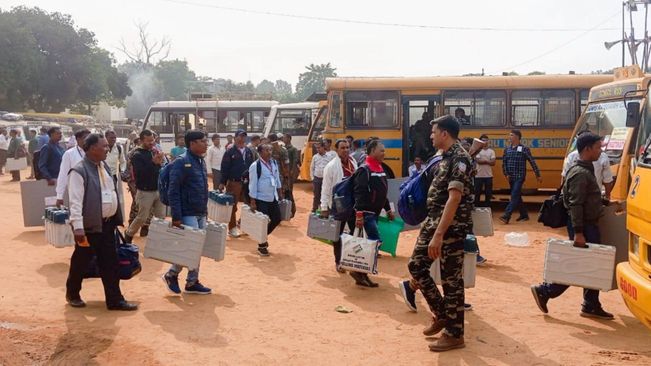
[
  {"x": 294, "y": 119},
  {"x": 172, "y": 118}
]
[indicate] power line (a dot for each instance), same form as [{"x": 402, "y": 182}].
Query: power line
[
  {"x": 562, "y": 44},
  {"x": 384, "y": 24}
]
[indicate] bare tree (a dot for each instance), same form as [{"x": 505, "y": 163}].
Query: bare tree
[{"x": 146, "y": 49}]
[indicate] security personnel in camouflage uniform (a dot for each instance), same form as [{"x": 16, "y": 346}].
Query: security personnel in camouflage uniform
[
  {"x": 280, "y": 155},
  {"x": 294, "y": 169},
  {"x": 450, "y": 202}
]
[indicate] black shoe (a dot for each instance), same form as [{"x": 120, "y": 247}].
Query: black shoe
[
  {"x": 520, "y": 219},
  {"x": 408, "y": 294},
  {"x": 75, "y": 303},
  {"x": 504, "y": 219},
  {"x": 144, "y": 231},
  {"x": 370, "y": 283},
  {"x": 263, "y": 251},
  {"x": 598, "y": 313},
  {"x": 123, "y": 306},
  {"x": 128, "y": 239},
  {"x": 541, "y": 300},
  {"x": 359, "y": 279}
]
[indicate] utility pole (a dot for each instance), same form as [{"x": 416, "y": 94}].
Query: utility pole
[{"x": 629, "y": 39}]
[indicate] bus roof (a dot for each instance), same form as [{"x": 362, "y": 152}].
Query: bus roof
[
  {"x": 467, "y": 82},
  {"x": 177, "y": 104},
  {"x": 301, "y": 105}
]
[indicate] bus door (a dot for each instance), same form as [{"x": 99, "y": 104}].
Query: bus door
[{"x": 418, "y": 111}]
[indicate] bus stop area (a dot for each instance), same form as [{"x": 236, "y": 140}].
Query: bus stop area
[{"x": 281, "y": 310}]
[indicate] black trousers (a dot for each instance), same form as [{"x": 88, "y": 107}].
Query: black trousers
[
  {"x": 103, "y": 245},
  {"x": 336, "y": 246},
  {"x": 271, "y": 209},
  {"x": 317, "y": 183}
]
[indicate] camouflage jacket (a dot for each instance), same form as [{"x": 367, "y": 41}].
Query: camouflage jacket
[
  {"x": 455, "y": 171},
  {"x": 279, "y": 153}
]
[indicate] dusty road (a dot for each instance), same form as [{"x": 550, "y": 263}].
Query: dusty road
[{"x": 280, "y": 310}]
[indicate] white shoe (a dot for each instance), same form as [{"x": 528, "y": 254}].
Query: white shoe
[{"x": 234, "y": 233}]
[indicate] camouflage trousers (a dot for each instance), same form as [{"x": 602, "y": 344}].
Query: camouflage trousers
[{"x": 449, "y": 306}]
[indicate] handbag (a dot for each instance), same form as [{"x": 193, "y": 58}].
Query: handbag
[
  {"x": 553, "y": 212},
  {"x": 358, "y": 253},
  {"x": 128, "y": 260}
]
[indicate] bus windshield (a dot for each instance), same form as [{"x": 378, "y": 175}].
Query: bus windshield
[
  {"x": 319, "y": 124},
  {"x": 293, "y": 121},
  {"x": 606, "y": 119}
]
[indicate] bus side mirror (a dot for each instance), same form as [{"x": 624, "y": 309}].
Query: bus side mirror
[{"x": 632, "y": 114}]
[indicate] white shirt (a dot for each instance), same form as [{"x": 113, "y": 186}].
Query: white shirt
[
  {"x": 331, "y": 154},
  {"x": 318, "y": 164},
  {"x": 69, "y": 159},
  {"x": 4, "y": 143},
  {"x": 214, "y": 158},
  {"x": 485, "y": 170},
  {"x": 601, "y": 167},
  {"x": 72, "y": 142},
  {"x": 413, "y": 170},
  {"x": 333, "y": 173},
  {"x": 116, "y": 160},
  {"x": 76, "y": 194}
]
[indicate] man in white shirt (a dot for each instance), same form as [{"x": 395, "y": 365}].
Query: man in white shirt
[
  {"x": 69, "y": 159},
  {"x": 327, "y": 144},
  {"x": 417, "y": 167},
  {"x": 94, "y": 214},
  {"x": 485, "y": 160},
  {"x": 116, "y": 158},
  {"x": 214, "y": 161},
  {"x": 601, "y": 170},
  {"x": 4, "y": 146},
  {"x": 319, "y": 161}
]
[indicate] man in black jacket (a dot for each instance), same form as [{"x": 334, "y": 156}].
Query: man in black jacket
[
  {"x": 370, "y": 190},
  {"x": 146, "y": 162},
  {"x": 582, "y": 198},
  {"x": 235, "y": 164}
]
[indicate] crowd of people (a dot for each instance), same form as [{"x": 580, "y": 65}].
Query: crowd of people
[{"x": 263, "y": 171}]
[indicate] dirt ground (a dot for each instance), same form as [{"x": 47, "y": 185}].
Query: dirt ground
[{"x": 281, "y": 310}]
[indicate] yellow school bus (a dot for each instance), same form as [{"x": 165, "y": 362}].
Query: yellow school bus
[
  {"x": 620, "y": 111},
  {"x": 543, "y": 107}
]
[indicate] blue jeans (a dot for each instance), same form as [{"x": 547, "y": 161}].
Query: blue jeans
[
  {"x": 516, "y": 199},
  {"x": 370, "y": 226},
  {"x": 197, "y": 222},
  {"x": 590, "y": 297}
]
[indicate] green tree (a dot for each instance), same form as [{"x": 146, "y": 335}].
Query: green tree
[
  {"x": 176, "y": 79},
  {"x": 536, "y": 73},
  {"x": 55, "y": 65},
  {"x": 313, "y": 80},
  {"x": 265, "y": 87}
]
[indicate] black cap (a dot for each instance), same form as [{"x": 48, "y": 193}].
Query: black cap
[
  {"x": 240, "y": 132},
  {"x": 586, "y": 140}
]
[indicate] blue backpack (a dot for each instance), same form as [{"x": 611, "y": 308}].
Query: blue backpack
[
  {"x": 412, "y": 204},
  {"x": 343, "y": 198},
  {"x": 164, "y": 180}
]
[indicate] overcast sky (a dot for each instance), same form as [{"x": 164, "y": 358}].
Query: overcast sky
[{"x": 248, "y": 46}]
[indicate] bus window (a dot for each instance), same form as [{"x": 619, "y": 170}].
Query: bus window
[
  {"x": 372, "y": 109},
  {"x": 293, "y": 121},
  {"x": 257, "y": 121},
  {"x": 585, "y": 93},
  {"x": 559, "y": 107},
  {"x": 209, "y": 119},
  {"x": 157, "y": 123},
  {"x": 319, "y": 124},
  {"x": 230, "y": 121},
  {"x": 335, "y": 112},
  {"x": 525, "y": 105},
  {"x": 477, "y": 108}
]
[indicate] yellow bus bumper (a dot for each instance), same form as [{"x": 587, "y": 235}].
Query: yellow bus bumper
[{"x": 636, "y": 291}]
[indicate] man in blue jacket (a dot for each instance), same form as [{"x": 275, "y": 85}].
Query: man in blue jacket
[
  {"x": 188, "y": 198},
  {"x": 50, "y": 157},
  {"x": 235, "y": 163}
]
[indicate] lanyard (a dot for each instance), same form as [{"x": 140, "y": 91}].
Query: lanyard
[
  {"x": 79, "y": 152},
  {"x": 268, "y": 165}
]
